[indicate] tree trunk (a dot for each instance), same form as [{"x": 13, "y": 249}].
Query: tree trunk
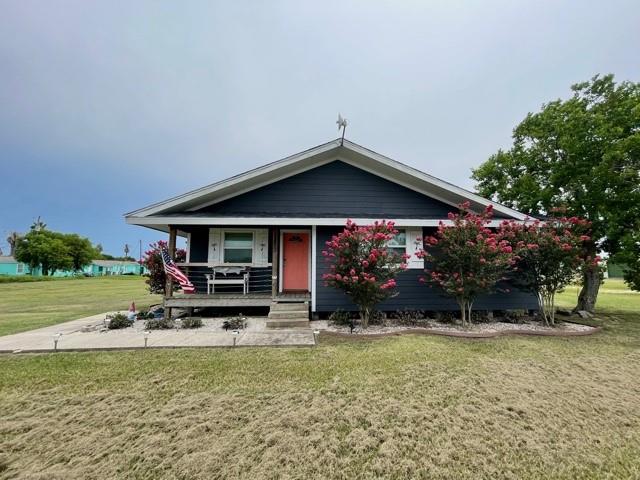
[
  {"x": 365, "y": 314},
  {"x": 589, "y": 293}
]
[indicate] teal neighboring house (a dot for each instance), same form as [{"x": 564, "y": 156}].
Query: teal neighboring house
[
  {"x": 10, "y": 266},
  {"x": 113, "y": 267}
]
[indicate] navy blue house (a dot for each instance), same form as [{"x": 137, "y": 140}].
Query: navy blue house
[{"x": 258, "y": 237}]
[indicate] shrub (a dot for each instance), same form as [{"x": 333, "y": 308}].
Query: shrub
[
  {"x": 118, "y": 320},
  {"x": 157, "y": 279},
  {"x": 550, "y": 255},
  {"x": 234, "y": 323},
  {"x": 469, "y": 258},
  {"x": 160, "y": 323},
  {"x": 409, "y": 317},
  {"x": 142, "y": 315},
  {"x": 192, "y": 322},
  {"x": 342, "y": 319},
  {"x": 362, "y": 266}
]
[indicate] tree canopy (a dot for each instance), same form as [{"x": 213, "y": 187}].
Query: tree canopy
[
  {"x": 582, "y": 154},
  {"x": 51, "y": 251}
]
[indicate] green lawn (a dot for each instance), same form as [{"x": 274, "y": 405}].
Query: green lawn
[
  {"x": 25, "y": 306},
  {"x": 397, "y": 407},
  {"x": 614, "y": 296}
]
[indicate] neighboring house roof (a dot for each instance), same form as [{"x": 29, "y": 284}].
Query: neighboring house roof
[
  {"x": 7, "y": 259},
  {"x": 346, "y": 151}
]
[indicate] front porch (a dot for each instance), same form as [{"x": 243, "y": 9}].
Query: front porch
[{"x": 241, "y": 267}]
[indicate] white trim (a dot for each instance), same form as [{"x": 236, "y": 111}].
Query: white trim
[
  {"x": 275, "y": 221},
  {"x": 372, "y": 162},
  {"x": 281, "y": 258},
  {"x": 188, "y": 247},
  {"x": 314, "y": 269}
]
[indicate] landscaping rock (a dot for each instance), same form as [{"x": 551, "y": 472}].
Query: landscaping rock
[{"x": 585, "y": 314}]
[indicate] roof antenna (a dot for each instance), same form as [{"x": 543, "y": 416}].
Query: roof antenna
[{"x": 342, "y": 124}]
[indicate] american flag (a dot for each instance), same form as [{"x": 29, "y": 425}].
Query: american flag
[{"x": 173, "y": 271}]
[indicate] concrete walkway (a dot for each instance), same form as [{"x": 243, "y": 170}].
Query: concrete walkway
[{"x": 73, "y": 337}]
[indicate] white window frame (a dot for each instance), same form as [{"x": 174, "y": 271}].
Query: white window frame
[
  {"x": 406, "y": 241},
  {"x": 411, "y": 246},
  {"x": 20, "y": 268},
  {"x": 238, "y": 230}
]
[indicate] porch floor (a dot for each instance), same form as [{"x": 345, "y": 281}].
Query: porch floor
[{"x": 251, "y": 299}]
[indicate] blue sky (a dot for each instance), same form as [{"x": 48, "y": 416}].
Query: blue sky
[{"x": 108, "y": 106}]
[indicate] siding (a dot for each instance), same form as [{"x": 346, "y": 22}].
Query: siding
[
  {"x": 336, "y": 189},
  {"x": 412, "y": 294}
]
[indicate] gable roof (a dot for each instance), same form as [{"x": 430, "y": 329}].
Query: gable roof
[{"x": 345, "y": 151}]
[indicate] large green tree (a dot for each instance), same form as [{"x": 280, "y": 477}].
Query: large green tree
[
  {"x": 45, "y": 250},
  {"x": 51, "y": 251},
  {"x": 582, "y": 154}
]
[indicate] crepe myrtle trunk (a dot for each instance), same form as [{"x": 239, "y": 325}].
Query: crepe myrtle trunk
[{"x": 590, "y": 287}]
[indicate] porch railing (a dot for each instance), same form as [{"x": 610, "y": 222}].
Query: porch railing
[{"x": 260, "y": 279}]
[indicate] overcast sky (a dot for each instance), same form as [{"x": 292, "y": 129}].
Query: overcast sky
[{"x": 108, "y": 106}]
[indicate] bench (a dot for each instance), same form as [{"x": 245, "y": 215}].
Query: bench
[{"x": 228, "y": 276}]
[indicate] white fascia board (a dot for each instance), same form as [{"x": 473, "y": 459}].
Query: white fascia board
[
  {"x": 230, "y": 182},
  {"x": 289, "y": 221}
]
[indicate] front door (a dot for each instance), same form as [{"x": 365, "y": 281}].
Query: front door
[{"x": 295, "y": 261}]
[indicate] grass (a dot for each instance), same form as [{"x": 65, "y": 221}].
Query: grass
[
  {"x": 614, "y": 296},
  {"x": 397, "y": 407},
  {"x": 25, "y": 306}
]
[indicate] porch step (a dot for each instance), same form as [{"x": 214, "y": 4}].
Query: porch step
[
  {"x": 288, "y": 323},
  {"x": 288, "y": 315},
  {"x": 289, "y": 306}
]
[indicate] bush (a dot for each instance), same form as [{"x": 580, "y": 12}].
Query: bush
[
  {"x": 192, "y": 322},
  {"x": 409, "y": 317},
  {"x": 234, "y": 323},
  {"x": 159, "y": 324},
  {"x": 144, "y": 315},
  {"x": 118, "y": 321},
  {"x": 445, "y": 317},
  {"x": 343, "y": 319}
]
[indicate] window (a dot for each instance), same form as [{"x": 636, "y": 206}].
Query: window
[
  {"x": 398, "y": 244},
  {"x": 238, "y": 247},
  {"x": 20, "y": 268}
]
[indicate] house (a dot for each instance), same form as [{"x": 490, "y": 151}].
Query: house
[
  {"x": 113, "y": 267},
  {"x": 273, "y": 222},
  {"x": 10, "y": 266}
]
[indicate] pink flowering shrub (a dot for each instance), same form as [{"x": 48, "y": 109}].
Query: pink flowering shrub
[
  {"x": 550, "y": 255},
  {"x": 467, "y": 258},
  {"x": 362, "y": 266},
  {"x": 157, "y": 279}
]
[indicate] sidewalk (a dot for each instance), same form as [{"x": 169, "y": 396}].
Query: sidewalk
[{"x": 211, "y": 335}]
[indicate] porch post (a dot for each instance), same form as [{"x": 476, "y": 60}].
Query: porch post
[
  {"x": 172, "y": 253},
  {"x": 275, "y": 260}
]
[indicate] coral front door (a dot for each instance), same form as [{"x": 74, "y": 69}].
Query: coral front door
[{"x": 295, "y": 261}]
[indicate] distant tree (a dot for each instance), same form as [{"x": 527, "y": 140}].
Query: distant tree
[
  {"x": 44, "y": 249},
  {"x": 126, "y": 250},
  {"x": 157, "y": 279},
  {"x": 583, "y": 154},
  {"x": 12, "y": 240},
  {"x": 80, "y": 250},
  {"x": 99, "y": 248}
]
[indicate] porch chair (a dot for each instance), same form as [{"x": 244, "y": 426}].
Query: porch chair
[{"x": 228, "y": 276}]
